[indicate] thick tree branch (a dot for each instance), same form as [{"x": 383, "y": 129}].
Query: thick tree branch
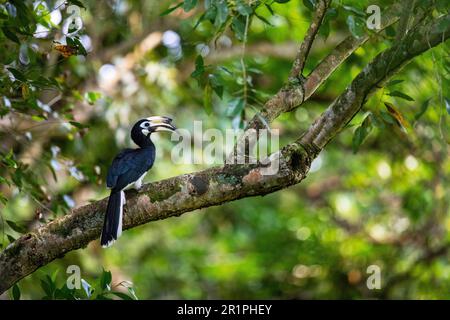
[
  {"x": 290, "y": 96},
  {"x": 175, "y": 196},
  {"x": 372, "y": 77}
]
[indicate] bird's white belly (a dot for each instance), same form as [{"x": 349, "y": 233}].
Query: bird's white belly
[{"x": 137, "y": 184}]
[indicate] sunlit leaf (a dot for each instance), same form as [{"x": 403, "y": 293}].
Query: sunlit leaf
[
  {"x": 401, "y": 121},
  {"x": 92, "y": 97},
  {"x": 399, "y": 94},
  {"x": 105, "y": 280},
  {"x": 171, "y": 9}
]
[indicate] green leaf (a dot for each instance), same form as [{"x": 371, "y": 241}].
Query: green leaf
[
  {"x": 388, "y": 118},
  {"x": 77, "y": 3},
  {"x": 207, "y": 99},
  {"x": 442, "y": 25},
  {"x": 400, "y": 95},
  {"x": 361, "y": 133},
  {"x": 260, "y": 17},
  {"x": 105, "y": 280},
  {"x": 355, "y": 26},
  {"x": 11, "y": 239},
  {"x": 222, "y": 13},
  {"x": 121, "y": 295},
  {"x": 79, "y": 46},
  {"x": 202, "y": 17},
  {"x": 92, "y": 97},
  {"x": 3, "y": 199},
  {"x": 269, "y": 8},
  {"x": 17, "y": 74},
  {"x": 310, "y": 4},
  {"x": 48, "y": 286},
  {"x": 78, "y": 125},
  {"x": 282, "y": 1},
  {"x": 423, "y": 109},
  {"x": 9, "y": 160},
  {"x": 394, "y": 82},
  {"x": 331, "y": 14},
  {"x": 216, "y": 83},
  {"x": 19, "y": 228},
  {"x": 199, "y": 67},
  {"x": 243, "y": 8},
  {"x": 354, "y": 10},
  {"x": 16, "y": 292},
  {"x": 10, "y": 35},
  {"x": 239, "y": 28},
  {"x": 235, "y": 107},
  {"x": 132, "y": 293},
  {"x": 171, "y": 9},
  {"x": 39, "y": 118},
  {"x": 210, "y": 13},
  {"x": 189, "y": 5}
]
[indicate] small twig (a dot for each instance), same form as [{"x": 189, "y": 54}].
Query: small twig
[
  {"x": 305, "y": 47},
  {"x": 244, "y": 68}
]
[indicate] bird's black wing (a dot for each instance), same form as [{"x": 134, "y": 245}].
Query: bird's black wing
[{"x": 128, "y": 166}]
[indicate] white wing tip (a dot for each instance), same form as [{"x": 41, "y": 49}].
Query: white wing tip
[{"x": 108, "y": 244}]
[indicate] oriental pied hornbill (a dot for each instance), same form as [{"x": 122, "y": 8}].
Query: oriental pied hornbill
[{"x": 128, "y": 169}]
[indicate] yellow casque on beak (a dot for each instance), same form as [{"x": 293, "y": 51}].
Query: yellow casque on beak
[{"x": 161, "y": 123}]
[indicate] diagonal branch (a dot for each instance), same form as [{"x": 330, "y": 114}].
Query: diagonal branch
[
  {"x": 290, "y": 96},
  {"x": 305, "y": 47},
  {"x": 177, "y": 195}
]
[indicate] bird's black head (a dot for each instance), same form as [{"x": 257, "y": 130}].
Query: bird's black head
[{"x": 142, "y": 129}]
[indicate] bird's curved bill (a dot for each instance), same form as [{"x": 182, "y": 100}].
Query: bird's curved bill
[{"x": 161, "y": 123}]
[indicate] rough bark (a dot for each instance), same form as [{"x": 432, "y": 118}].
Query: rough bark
[{"x": 177, "y": 195}]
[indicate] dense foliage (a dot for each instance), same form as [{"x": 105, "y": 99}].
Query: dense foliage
[{"x": 70, "y": 87}]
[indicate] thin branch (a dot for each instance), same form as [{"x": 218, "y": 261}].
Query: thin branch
[
  {"x": 291, "y": 97},
  {"x": 373, "y": 76},
  {"x": 305, "y": 47}
]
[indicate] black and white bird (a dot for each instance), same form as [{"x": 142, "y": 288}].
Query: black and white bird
[{"x": 128, "y": 169}]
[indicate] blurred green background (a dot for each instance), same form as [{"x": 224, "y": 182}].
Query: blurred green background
[{"x": 386, "y": 204}]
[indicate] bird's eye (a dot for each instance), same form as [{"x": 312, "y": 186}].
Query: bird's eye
[{"x": 147, "y": 124}]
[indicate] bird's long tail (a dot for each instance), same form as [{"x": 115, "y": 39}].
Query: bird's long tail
[{"x": 112, "y": 227}]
